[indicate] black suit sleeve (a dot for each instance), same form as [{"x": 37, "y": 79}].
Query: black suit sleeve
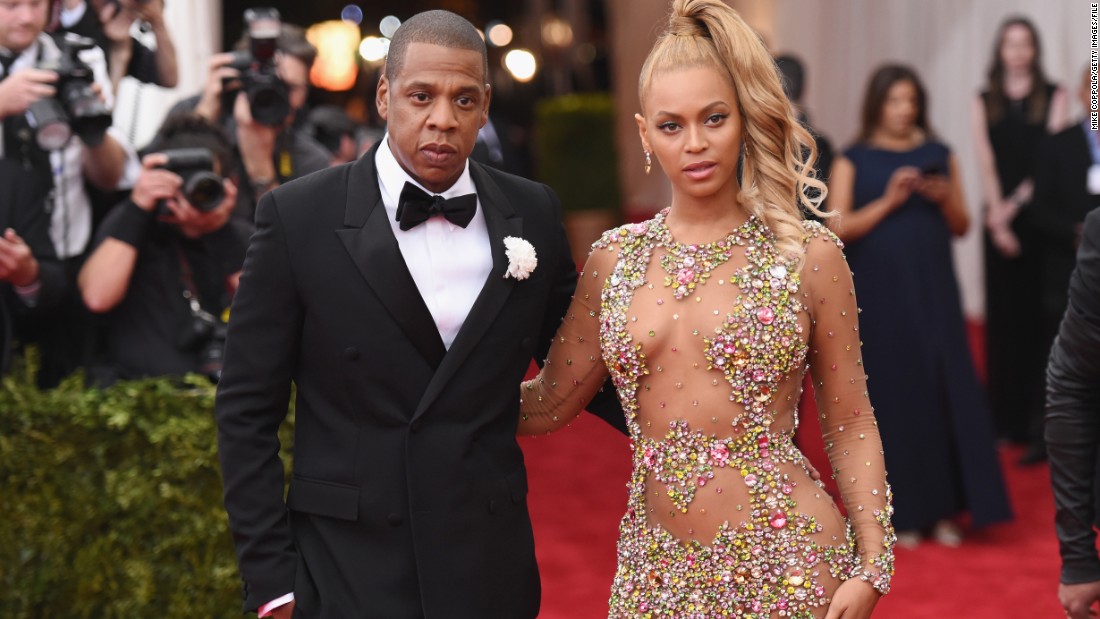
[
  {"x": 1073, "y": 413},
  {"x": 605, "y": 404},
  {"x": 31, "y": 222},
  {"x": 264, "y": 332}
]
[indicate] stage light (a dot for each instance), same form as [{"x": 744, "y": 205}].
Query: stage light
[
  {"x": 499, "y": 34},
  {"x": 521, "y": 64},
  {"x": 335, "y": 68},
  {"x": 373, "y": 49},
  {"x": 389, "y": 25}
]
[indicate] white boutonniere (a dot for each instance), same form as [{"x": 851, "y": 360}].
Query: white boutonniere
[{"x": 521, "y": 258}]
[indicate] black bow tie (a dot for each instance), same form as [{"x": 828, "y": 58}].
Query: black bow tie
[{"x": 416, "y": 206}]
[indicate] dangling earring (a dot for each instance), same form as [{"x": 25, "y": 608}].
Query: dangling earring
[{"x": 648, "y": 162}]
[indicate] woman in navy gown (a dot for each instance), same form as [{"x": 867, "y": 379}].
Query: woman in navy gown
[{"x": 899, "y": 199}]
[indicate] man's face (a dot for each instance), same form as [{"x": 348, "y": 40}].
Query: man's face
[
  {"x": 433, "y": 110},
  {"x": 21, "y": 21}
]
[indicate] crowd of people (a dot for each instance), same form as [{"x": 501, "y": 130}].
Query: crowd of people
[{"x": 124, "y": 261}]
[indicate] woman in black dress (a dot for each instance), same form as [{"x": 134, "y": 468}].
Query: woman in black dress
[
  {"x": 1010, "y": 117},
  {"x": 898, "y": 195}
]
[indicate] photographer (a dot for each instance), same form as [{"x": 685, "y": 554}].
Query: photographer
[
  {"x": 31, "y": 280},
  {"x": 109, "y": 22},
  {"x": 61, "y": 86},
  {"x": 165, "y": 261},
  {"x": 256, "y": 94}
]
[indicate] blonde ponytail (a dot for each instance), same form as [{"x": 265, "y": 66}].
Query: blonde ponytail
[{"x": 777, "y": 175}]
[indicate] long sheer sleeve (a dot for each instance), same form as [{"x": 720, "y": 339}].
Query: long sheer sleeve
[
  {"x": 574, "y": 369},
  {"x": 847, "y": 419}
]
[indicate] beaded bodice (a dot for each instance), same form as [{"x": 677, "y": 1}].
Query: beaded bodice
[{"x": 707, "y": 346}]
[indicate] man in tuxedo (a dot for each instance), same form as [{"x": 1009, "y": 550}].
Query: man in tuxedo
[
  {"x": 1073, "y": 428},
  {"x": 383, "y": 291}
]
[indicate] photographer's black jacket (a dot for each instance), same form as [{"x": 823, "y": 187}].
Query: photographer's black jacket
[
  {"x": 21, "y": 210},
  {"x": 143, "y": 331}
]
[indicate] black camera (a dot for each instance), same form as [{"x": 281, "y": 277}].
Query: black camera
[
  {"x": 204, "y": 334},
  {"x": 268, "y": 95},
  {"x": 75, "y": 108},
  {"x": 202, "y": 188}
]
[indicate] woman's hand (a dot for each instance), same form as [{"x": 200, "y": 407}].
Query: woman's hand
[
  {"x": 935, "y": 187},
  {"x": 854, "y": 599},
  {"x": 902, "y": 183}
]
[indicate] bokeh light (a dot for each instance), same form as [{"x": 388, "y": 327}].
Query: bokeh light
[
  {"x": 352, "y": 13},
  {"x": 521, "y": 64},
  {"x": 389, "y": 25},
  {"x": 374, "y": 49},
  {"x": 499, "y": 34}
]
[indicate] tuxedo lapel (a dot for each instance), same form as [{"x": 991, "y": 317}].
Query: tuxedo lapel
[
  {"x": 369, "y": 240},
  {"x": 501, "y": 221}
]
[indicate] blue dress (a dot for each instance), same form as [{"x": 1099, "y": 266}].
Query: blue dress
[{"x": 932, "y": 413}]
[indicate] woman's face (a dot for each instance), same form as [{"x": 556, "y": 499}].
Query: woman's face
[
  {"x": 1017, "y": 48},
  {"x": 899, "y": 110},
  {"x": 693, "y": 127}
]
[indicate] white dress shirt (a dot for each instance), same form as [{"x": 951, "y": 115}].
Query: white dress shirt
[{"x": 450, "y": 264}]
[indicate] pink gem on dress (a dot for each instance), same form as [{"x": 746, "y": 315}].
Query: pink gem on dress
[
  {"x": 765, "y": 315},
  {"x": 685, "y": 276},
  {"x": 650, "y": 457},
  {"x": 720, "y": 453},
  {"x": 778, "y": 520},
  {"x": 750, "y": 479},
  {"x": 758, "y": 376}
]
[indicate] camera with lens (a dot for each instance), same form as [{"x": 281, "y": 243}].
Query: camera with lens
[
  {"x": 204, "y": 334},
  {"x": 268, "y": 95},
  {"x": 76, "y": 108},
  {"x": 204, "y": 189}
]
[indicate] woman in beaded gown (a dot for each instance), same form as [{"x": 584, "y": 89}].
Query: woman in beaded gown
[{"x": 707, "y": 318}]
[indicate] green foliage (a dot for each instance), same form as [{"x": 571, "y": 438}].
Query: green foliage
[
  {"x": 110, "y": 501},
  {"x": 576, "y": 150}
]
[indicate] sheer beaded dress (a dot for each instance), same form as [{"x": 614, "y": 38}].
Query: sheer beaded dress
[{"x": 707, "y": 346}]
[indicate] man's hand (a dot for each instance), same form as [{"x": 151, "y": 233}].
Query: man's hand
[
  {"x": 256, "y": 142},
  {"x": 1080, "y": 600},
  {"x": 17, "y": 264},
  {"x": 117, "y": 20},
  {"x": 23, "y": 88},
  {"x": 210, "y": 103},
  {"x": 149, "y": 11},
  {"x": 195, "y": 223},
  {"x": 155, "y": 184}
]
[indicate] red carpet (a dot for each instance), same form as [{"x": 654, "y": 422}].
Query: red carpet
[{"x": 578, "y": 493}]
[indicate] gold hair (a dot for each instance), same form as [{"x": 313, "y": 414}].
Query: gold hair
[{"x": 777, "y": 173}]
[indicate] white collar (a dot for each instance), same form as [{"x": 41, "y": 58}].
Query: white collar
[
  {"x": 70, "y": 17},
  {"x": 393, "y": 177}
]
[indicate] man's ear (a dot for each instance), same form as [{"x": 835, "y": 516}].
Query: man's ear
[
  {"x": 382, "y": 97},
  {"x": 485, "y": 108}
]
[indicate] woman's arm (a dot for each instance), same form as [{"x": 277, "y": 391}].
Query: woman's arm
[
  {"x": 847, "y": 418},
  {"x": 574, "y": 369}
]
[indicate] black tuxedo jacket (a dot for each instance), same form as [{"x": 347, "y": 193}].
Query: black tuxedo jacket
[
  {"x": 408, "y": 494},
  {"x": 1061, "y": 202}
]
